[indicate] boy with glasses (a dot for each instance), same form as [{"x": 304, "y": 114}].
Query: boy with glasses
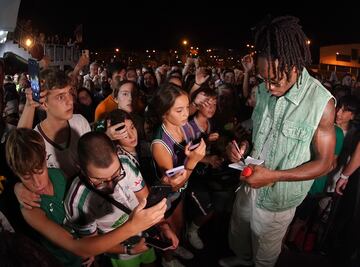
[
  {"x": 26, "y": 156},
  {"x": 90, "y": 213}
]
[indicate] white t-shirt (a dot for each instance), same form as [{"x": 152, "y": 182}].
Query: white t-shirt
[
  {"x": 87, "y": 212},
  {"x": 64, "y": 156}
]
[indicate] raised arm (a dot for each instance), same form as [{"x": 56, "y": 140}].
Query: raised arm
[
  {"x": 27, "y": 117},
  {"x": 248, "y": 64},
  {"x": 83, "y": 61}
]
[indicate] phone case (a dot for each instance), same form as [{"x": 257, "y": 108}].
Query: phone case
[
  {"x": 174, "y": 171},
  {"x": 34, "y": 74},
  {"x": 194, "y": 146},
  {"x": 157, "y": 243},
  {"x": 157, "y": 193}
]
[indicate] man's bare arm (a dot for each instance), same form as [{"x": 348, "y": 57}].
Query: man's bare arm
[{"x": 324, "y": 146}]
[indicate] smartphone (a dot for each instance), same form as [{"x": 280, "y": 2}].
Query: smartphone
[
  {"x": 195, "y": 143},
  {"x": 172, "y": 172},
  {"x": 157, "y": 193},
  {"x": 120, "y": 128},
  {"x": 34, "y": 75},
  {"x": 115, "y": 119},
  {"x": 158, "y": 243}
]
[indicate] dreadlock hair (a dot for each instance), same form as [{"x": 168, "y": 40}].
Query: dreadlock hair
[{"x": 282, "y": 38}]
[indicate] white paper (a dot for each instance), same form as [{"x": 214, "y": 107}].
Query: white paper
[{"x": 249, "y": 160}]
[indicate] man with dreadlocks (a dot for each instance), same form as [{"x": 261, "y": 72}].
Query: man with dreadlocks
[{"x": 293, "y": 133}]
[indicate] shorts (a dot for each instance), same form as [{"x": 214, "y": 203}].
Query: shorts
[{"x": 143, "y": 258}]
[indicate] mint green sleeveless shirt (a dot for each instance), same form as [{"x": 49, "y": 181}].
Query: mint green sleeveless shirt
[{"x": 294, "y": 119}]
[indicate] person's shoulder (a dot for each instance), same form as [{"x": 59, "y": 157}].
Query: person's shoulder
[
  {"x": 101, "y": 106},
  {"x": 77, "y": 118},
  {"x": 56, "y": 172},
  {"x": 128, "y": 164},
  {"x": 316, "y": 87},
  {"x": 158, "y": 134},
  {"x": 339, "y": 132},
  {"x": 109, "y": 100},
  {"x": 79, "y": 123},
  {"x": 191, "y": 121},
  {"x": 77, "y": 187},
  {"x": 77, "y": 193}
]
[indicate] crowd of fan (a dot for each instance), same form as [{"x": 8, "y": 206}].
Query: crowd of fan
[{"x": 162, "y": 110}]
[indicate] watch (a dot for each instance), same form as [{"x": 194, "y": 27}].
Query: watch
[{"x": 342, "y": 176}]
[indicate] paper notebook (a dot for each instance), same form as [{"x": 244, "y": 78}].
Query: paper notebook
[{"x": 249, "y": 160}]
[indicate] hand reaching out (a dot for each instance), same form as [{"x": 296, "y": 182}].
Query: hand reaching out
[{"x": 247, "y": 63}]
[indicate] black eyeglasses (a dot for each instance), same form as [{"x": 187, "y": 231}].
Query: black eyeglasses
[{"x": 103, "y": 183}]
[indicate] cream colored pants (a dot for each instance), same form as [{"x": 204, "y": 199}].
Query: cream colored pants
[{"x": 255, "y": 234}]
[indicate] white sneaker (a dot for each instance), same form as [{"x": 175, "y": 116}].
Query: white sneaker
[
  {"x": 234, "y": 261},
  {"x": 195, "y": 240},
  {"x": 172, "y": 263},
  {"x": 183, "y": 253}
]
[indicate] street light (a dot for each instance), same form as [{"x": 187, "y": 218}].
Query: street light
[
  {"x": 28, "y": 42},
  {"x": 185, "y": 42},
  {"x": 117, "y": 50}
]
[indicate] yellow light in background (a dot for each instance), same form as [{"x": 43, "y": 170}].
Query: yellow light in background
[
  {"x": 185, "y": 42},
  {"x": 308, "y": 42},
  {"x": 28, "y": 42},
  {"x": 117, "y": 50}
]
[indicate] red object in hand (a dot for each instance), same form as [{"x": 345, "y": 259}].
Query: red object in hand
[{"x": 247, "y": 171}]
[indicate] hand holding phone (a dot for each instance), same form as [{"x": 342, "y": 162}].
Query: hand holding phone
[
  {"x": 34, "y": 74},
  {"x": 195, "y": 143},
  {"x": 158, "y": 243},
  {"x": 172, "y": 172},
  {"x": 157, "y": 193}
]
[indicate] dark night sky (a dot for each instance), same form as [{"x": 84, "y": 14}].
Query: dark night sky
[{"x": 163, "y": 25}]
